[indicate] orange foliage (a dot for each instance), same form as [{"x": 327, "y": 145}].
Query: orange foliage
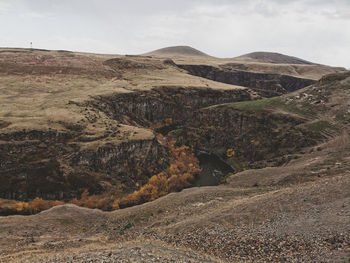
[
  {"x": 38, "y": 204},
  {"x": 94, "y": 201},
  {"x": 32, "y": 207},
  {"x": 230, "y": 153},
  {"x": 179, "y": 175},
  {"x": 164, "y": 123}
]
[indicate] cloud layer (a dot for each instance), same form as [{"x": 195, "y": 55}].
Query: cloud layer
[{"x": 316, "y": 30}]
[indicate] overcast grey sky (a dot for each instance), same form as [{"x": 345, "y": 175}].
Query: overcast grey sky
[{"x": 316, "y": 30}]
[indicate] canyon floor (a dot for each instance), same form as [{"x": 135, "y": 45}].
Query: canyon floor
[{"x": 76, "y": 121}]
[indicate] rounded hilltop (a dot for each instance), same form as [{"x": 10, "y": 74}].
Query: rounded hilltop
[
  {"x": 271, "y": 57},
  {"x": 177, "y": 51}
]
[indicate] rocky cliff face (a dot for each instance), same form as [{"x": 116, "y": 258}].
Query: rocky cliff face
[
  {"x": 266, "y": 85},
  {"x": 127, "y": 163},
  {"x": 58, "y": 165},
  {"x": 178, "y": 103},
  {"x": 54, "y": 165},
  {"x": 258, "y": 139}
]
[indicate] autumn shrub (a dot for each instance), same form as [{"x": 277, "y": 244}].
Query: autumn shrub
[
  {"x": 34, "y": 206},
  {"x": 179, "y": 175},
  {"x": 183, "y": 168},
  {"x": 163, "y": 123},
  {"x": 230, "y": 153},
  {"x": 37, "y": 205},
  {"x": 94, "y": 201}
]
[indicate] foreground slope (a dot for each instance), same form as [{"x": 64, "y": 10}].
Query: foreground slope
[{"x": 297, "y": 212}]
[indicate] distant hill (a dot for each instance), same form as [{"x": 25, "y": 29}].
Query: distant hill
[
  {"x": 177, "y": 51},
  {"x": 270, "y": 57}
]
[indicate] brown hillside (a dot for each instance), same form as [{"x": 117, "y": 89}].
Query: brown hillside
[{"x": 275, "y": 58}]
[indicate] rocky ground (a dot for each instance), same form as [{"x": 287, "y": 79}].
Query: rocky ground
[
  {"x": 128, "y": 252},
  {"x": 306, "y": 222}
]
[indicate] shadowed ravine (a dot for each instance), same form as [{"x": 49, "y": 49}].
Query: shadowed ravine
[{"x": 213, "y": 169}]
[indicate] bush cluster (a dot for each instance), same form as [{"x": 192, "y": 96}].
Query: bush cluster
[{"x": 184, "y": 166}]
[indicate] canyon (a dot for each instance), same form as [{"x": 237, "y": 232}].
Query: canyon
[{"x": 266, "y": 129}]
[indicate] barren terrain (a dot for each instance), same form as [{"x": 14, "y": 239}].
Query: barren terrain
[{"x": 71, "y": 122}]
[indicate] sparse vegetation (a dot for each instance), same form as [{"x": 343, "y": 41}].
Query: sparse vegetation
[
  {"x": 264, "y": 104},
  {"x": 126, "y": 227},
  {"x": 94, "y": 201},
  {"x": 256, "y": 105},
  {"x": 26, "y": 208},
  {"x": 320, "y": 126}
]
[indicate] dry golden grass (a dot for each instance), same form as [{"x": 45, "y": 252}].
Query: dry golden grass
[
  {"x": 35, "y": 94},
  {"x": 41, "y": 98}
]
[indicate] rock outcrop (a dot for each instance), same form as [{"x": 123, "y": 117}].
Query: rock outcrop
[
  {"x": 266, "y": 85},
  {"x": 257, "y": 138},
  {"x": 178, "y": 103},
  {"x": 54, "y": 165}
]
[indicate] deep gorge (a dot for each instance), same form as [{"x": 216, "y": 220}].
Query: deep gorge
[{"x": 53, "y": 165}]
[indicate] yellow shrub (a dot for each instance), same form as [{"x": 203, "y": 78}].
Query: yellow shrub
[
  {"x": 230, "y": 153},
  {"x": 180, "y": 174}
]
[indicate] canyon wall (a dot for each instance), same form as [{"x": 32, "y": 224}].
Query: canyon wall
[{"x": 266, "y": 85}]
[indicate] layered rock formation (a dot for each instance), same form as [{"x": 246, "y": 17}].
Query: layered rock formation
[{"x": 267, "y": 85}]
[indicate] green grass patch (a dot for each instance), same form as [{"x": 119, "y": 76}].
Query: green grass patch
[
  {"x": 259, "y": 105},
  {"x": 342, "y": 116},
  {"x": 256, "y": 105},
  {"x": 313, "y": 109},
  {"x": 126, "y": 227},
  {"x": 135, "y": 218},
  {"x": 320, "y": 126}
]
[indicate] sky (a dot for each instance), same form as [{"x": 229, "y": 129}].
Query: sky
[{"x": 315, "y": 30}]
